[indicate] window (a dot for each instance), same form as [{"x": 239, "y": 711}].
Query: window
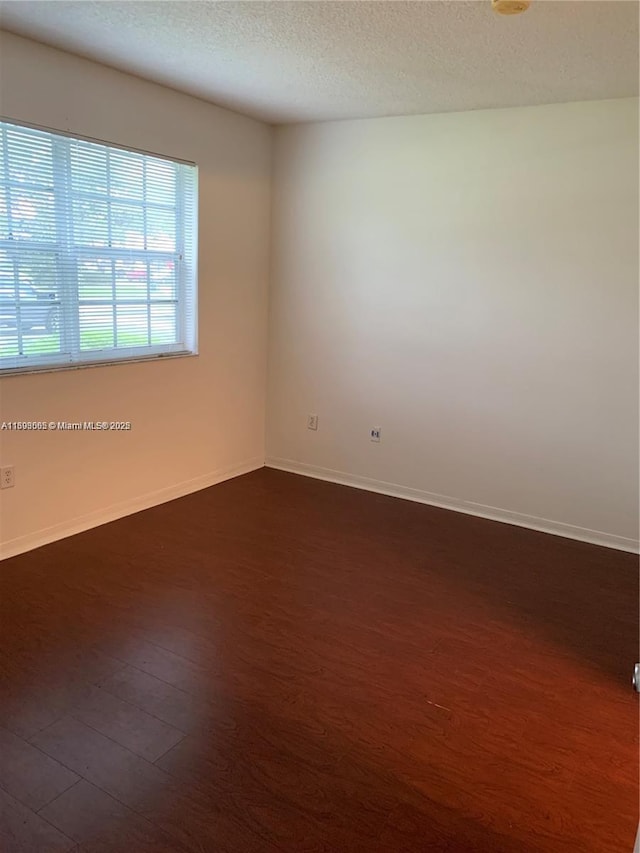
[{"x": 97, "y": 252}]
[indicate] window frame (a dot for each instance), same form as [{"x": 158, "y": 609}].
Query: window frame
[{"x": 68, "y": 299}]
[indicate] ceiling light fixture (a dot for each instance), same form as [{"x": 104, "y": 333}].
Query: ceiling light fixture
[{"x": 510, "y": 7}]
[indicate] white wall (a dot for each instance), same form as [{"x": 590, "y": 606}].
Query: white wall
[
  {"x": 465, "y": 281},
  {"x": 194, "y": 419},
  {"x": 468, "y": 282}
]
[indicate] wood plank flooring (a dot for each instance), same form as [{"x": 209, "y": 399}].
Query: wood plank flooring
[{"x": 280, "y": 664}]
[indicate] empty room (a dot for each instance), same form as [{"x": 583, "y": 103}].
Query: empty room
[{"x": 319, "y": 440}]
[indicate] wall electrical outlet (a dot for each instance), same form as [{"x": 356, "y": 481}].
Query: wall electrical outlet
[
  {"x": 375, "y": 434},
  {"x": 312, "y": 422},
  {"x": 7, "y": 477}
]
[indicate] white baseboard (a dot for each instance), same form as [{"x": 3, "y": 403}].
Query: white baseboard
[
  {"x": 80, "y": 523},
  {"x": 20, "y": 544},
  {"x": 544, "y": 525}
]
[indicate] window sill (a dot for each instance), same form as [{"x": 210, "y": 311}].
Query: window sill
[{"x": 24, "y": 371}]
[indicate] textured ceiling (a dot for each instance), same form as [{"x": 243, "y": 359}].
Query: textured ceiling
[{"x": 286, "y": 61}]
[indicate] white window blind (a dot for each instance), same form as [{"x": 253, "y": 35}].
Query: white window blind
[{"x": 97, "y": 252}]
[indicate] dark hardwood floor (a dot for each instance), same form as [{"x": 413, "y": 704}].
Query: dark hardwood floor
[{"x": 280, "y": 664}]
